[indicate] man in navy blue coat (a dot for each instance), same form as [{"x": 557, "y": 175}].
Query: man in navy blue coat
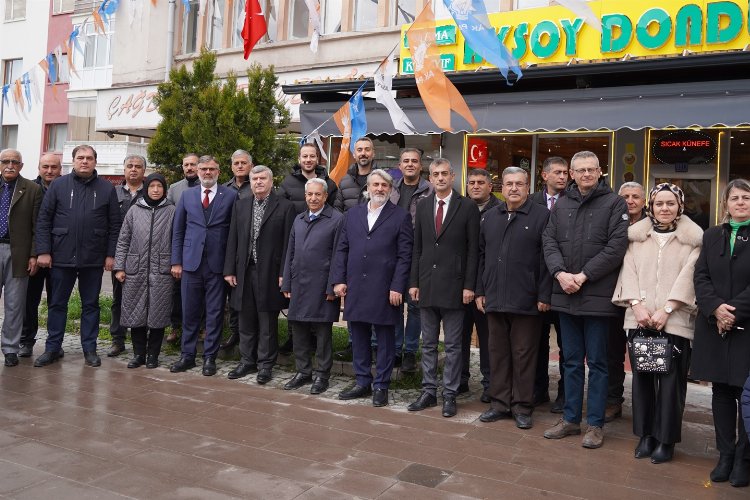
[
  {"x": 371, "y": 269},
  {"x": 199, "y": 238}
]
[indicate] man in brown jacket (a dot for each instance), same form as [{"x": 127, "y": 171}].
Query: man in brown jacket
[{"x": 19, "y": 205}]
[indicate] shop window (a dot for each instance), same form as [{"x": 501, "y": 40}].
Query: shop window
[
  {"x": 494, "y": 153},
  {"x": 82, "y": 122},
  {"x": 269, "y": 9},
  {"x": 190, "y": 29},
  {"x": 739, "y": 154},
  {"x": 566, "y": 146},
  {"x": 12, "y": 70},
  {"x": 62, "y": 6},
  {"x": 10, "y": 137},
  {"x": 15, "y": 9},
  {"x": 57, "y": 134},
  {"x": 365, "y": 15}
]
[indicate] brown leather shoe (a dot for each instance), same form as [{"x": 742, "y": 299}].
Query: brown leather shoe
[
  {"x": 612, "y": 411},
  {"x": 593, "y": 438},
  {"x": 174, "y": 336},
  {"x": 562, "y": 429}
]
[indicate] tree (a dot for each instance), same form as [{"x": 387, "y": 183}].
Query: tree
[{"x": 203, "y": 115}]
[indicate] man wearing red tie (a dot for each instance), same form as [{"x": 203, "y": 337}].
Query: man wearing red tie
[{"x": 443, "y": 276}]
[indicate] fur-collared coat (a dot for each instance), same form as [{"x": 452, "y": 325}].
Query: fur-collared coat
[{"x": 654, "y": 276}]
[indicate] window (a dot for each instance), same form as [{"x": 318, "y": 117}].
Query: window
[
  {"x": 10, "y": 136},
  {"x": 15, "y": 9},
  {"x": 57, "y": 134},
  {"x": 96, "y": 48},
  {"x": 82, "y": 122},
  {"x": 530, "y": 4},
  {"x": 12, "y": 70},
  {"x": 299, "y": 20},
  {"x": 63, "y": 71},
  {"x": 190, "y": 29},
  {"x": 331, "y": 16},
  {"x": 60, "y": 6},
  {"x": 269, "y": 9},
  {"x": 406, "y": 11},
  {"x": 217, "y": 25},
  {"x": 365, "y": 15}
]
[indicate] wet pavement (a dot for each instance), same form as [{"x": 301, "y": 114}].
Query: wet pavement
[{"x": 70, "y": 431}]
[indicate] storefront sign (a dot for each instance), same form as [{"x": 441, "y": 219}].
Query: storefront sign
[
  {"x": 444, "y": 35},
  {"x": 684, "y": 147},
  {"x": 127, "y": 108},
  {"x": 636, "y": 27},
  {"x": 477, "y": 153},
  {"x": 447, "y": 62}
]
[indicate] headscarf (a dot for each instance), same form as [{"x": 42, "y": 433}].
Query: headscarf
[
  {"x": 147, "y": 182},
  {"x": 677, "y": 192}
]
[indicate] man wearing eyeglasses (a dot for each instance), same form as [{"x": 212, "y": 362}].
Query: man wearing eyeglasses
[
  {"x": 76, "y": 236},
  {"x": 19, "y": 205},
  {"x": 584, "y": 244}
]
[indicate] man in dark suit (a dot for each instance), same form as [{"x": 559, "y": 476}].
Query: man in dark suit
[
  {"x": 371, "y": 269},
  {"x": 199, "y": 237},
  {"x": 255, "y": 254},
  {"x": 19, "y": 206},
  {"x": 479, "y": 189},
  {"x": 443, "y": 276}
]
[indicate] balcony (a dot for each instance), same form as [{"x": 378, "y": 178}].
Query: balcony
[{"x": 110, "y": 156}]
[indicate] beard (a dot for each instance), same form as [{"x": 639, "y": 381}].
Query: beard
[
  {"x": 208, "y": 183},
  {"x": 379, "y": 199}
]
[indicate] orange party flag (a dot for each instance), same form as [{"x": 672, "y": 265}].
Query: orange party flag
[
  {"x": 438, "y": 93},
  {"x": 344, "y": 123},
  {"x": 98, "y": 22}
]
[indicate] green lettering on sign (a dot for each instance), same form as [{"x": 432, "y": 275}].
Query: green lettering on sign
[
  {"x": 471, "y": 57},
  {"x": 688, "y": 26},
  {"x": 447, "y": 63},
  {"x": 552, "y": 31},
  {"x": 519, "y": 37},
  {"x": 658, "y": 39},
  {"x": 619, "y": 43},
  {"x": 444, "y": 35},
  {"x": 571, "y": 30},
  {"x": 714, "y": 14}
]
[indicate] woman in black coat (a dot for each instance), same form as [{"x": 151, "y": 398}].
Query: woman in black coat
[{"x": 721, "y": 349}]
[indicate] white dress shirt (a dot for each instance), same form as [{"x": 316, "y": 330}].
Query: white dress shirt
[
  {"x": 373, "y": 214},
  {"x": 446, "y": 200}
]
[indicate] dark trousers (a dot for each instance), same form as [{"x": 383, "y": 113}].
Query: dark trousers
[
  {"x": 176, "y": 315},
  {"x": 474, "y": 317},
  {"x": 452, "y": 320},
  {"x": 34, "y": 291},
  {"x": 731, "y": 435},
  {"x": 202, "y": 288},
  {"x": 616, "y": 360},
  {"x": 146, "y": 341},
  {"x": 259, "y": 330},
  {"x": 541, "y": 379},
  {"x": 89, "y": 286},
  {"x": 659, "y": 400},
  {"x": 362, "y": 353},
  {"x": 513, "y": 344},
  {"x": 304, "y": 333},
  {"x": 115, "y": 329}
]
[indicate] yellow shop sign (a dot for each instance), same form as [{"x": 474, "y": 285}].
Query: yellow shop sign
[{"x": 635, "y": 27}]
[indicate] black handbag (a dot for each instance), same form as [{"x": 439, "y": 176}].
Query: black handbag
[{"x": 651, "y": 351}]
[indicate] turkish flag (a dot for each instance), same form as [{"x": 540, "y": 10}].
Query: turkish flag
[
  {"x": 477, "y": 153},
  {"x": 255, "y": 25}
]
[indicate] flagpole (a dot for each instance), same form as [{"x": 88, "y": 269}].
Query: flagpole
[{"x": 170, "y": 39}]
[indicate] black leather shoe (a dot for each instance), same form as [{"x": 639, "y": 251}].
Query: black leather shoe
[
  {"x": 646, "y": 447},
  {"x": 425, "y": 400},
  {"x": 397, "y": 360},
  {"x": 209, "y": 366},
  {"x": 319, "y": 386},
  {"x": 264, "y": 376},
  {"x": 91, "y": 358},
  {"x": 523, "y": 421},
  {"x": 463, "y": 388},
  {"x": 11, "y": 359},
  {"x": 354, "y": 392},
  {"x": 449, "y": 406},
  {"x": 152, "y": 361},
  {"x": 115, "y": 350},
  {"x": 740, "y": 476},
  {"x": 380, "y": 397},
  {"x": 242, "y": 370},
  {"x": 485, "y": 398},
  {"x": 137, "y": 361},
  {"x": 288, "y": 347},
  {"x": 46, "y": 358},
  {"x": 559, "y": 405},
  {"x": 182, "y": 365},
  {"x": 26, "y": 350},
  {"x": 662, "y": 453},
  {"x": 409, "y": 363},
  {"x": 232, "y": 341},
  {"x": 723, "y": 469},
  {"x": 297, "y": 381},
  {"x": 493, "y": 415}
]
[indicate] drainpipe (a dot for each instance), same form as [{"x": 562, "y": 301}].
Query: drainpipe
[{"x": 170, "y": 39}]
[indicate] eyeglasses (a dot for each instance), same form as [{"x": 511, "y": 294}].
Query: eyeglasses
[
  {"x": 11, "y": 162},
  {"x": 590, "y": 170}
]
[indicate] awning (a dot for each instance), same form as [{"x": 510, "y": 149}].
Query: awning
[{"x": 692, "y": 104}]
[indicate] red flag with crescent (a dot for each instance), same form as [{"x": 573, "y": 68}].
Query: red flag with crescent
[{"x": 255, "y": 25}]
